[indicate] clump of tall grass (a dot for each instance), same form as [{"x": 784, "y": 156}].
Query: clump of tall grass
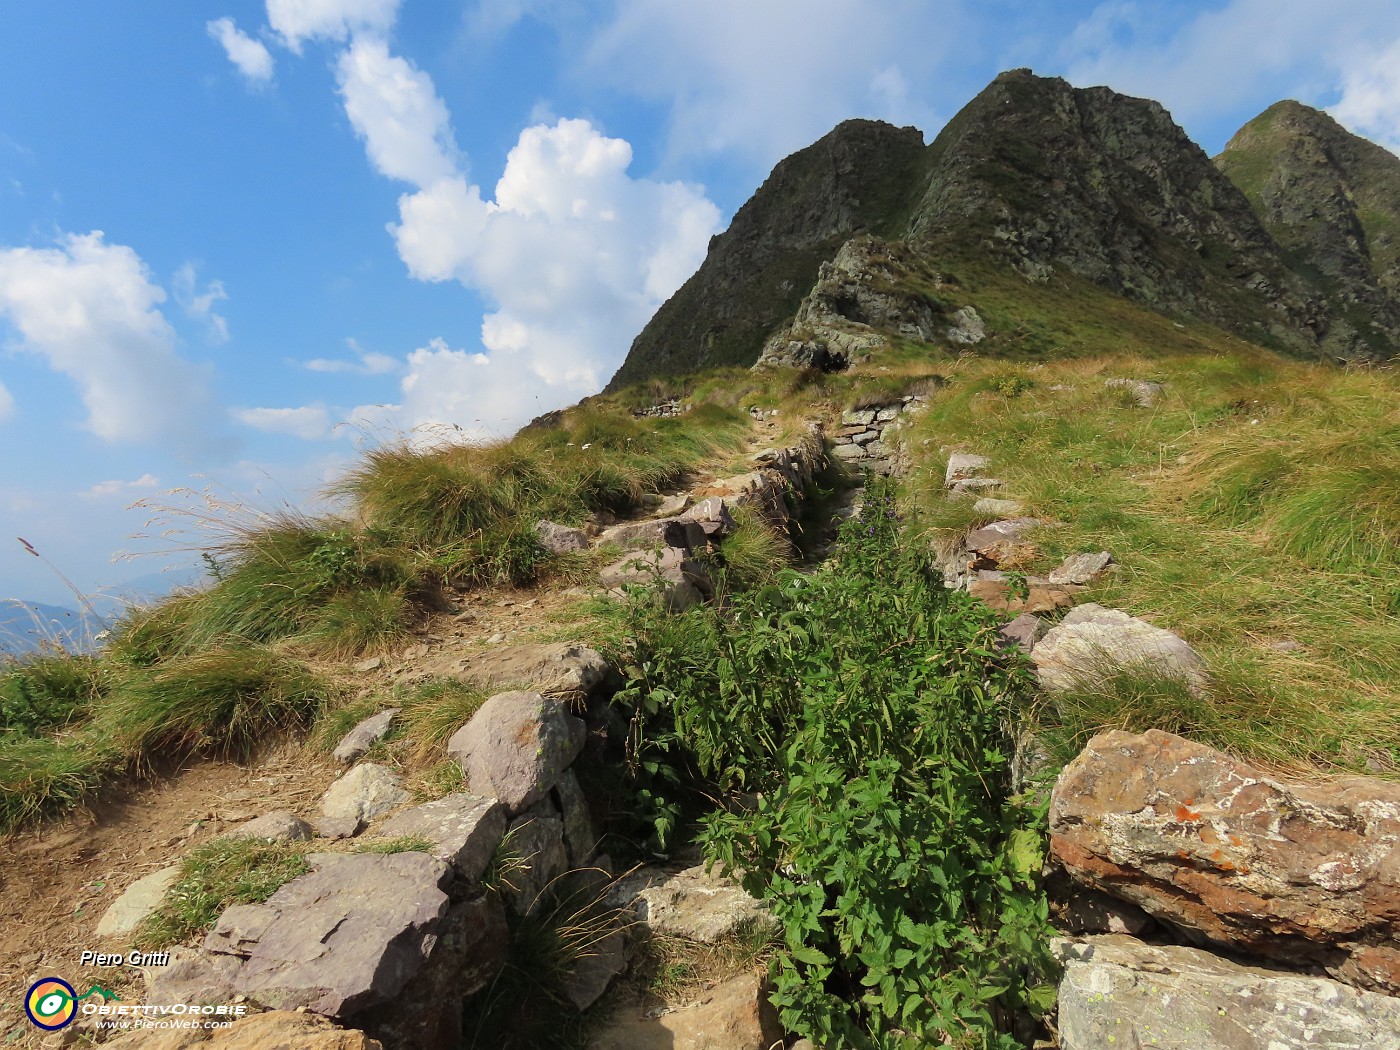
[{"x": 43, "y": 777}]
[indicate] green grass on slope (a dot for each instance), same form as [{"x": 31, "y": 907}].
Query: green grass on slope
[{"x": 1258, "y": 503}]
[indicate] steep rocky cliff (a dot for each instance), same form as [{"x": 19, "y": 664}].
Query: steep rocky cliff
[
  {"x": 1331, "y": 200},
  {"x": 860, "y": 177},
  {"x": 1291, "y": 241}
]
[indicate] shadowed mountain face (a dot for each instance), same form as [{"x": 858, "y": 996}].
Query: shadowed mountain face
[{"x": 1043, "y": 178}]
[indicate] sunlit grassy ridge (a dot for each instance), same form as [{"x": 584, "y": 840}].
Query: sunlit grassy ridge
[
  {"x": 1258, "y": 503},
  {"x": 219, "y": 670}
]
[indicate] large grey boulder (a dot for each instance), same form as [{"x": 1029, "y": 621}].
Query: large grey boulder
[
  {"x": 692, "y": 903},
  {"x": 139, "y": 900},
  {"x": 580, "y": 833},
  {"x": 712, "y": 515},
  {"x": 1092, "y": 643},
  {"x": 346, "y": 936},
  {"x": 464, "y": 830},
  {"x": 1144, "y": 392},
  {"x": 367, "y": 791},
  {"x": 516, "y": 747},
  {"x": 1119, "y": 992},
  {"x": 560, "y": 539},
  {"x": 278, "y": 826},
  {"x": 364, "y": 736}
]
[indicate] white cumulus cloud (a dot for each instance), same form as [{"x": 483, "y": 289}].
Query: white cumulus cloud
[
  {"x": 369, "y": 363},
  {"x": 200, "y": 304},
  {"x": 251, "y": 56},
  {"x": 119, "y": 487},
  {"x": 91, "y": 310},
  {"x": 299, "y": 20},
  {"x": 1370, "y": 102},
  {"x": 715, "y": 67},
  {"x": 396, "y": 111},
  {"x": 574, "y": 253},
  {"x": 308, "y": 422}
]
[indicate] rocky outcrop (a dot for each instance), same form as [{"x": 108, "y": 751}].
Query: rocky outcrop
[
  {"x": 139, "y": 900},
  {"x": 861, "y": 300},
  {"x": 464, "y": 830},
  {"x": 680, "y": 580},
  {"x": 841, "y": 250},
  {"x": 367, "y": 791},
  {"x": 694, "y": 904},
  {"x": 756, "y": 273},
  {"x": 346, "y": 936},
  {"x": 1118, "y": 992},
  {"x": 557, "y": 669},
  {"x": 516, "y": 747},
  {"x": 280, "y": 826},
  {"x": 1296, "y": 872}
]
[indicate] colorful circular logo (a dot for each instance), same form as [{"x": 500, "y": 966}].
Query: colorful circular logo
[{"x": 51, "y": 1003}]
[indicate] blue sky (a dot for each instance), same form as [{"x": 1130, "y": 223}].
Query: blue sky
[{"x": 238, "y": 239}]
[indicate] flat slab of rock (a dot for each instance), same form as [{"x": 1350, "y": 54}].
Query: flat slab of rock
[
  {"x": 551, "y": 668},
  {"x": 1024, "y": 631},
  {"x": 138, "y": 901},
  {"x": 692, "y": 904},
  {"x": 516, "y": 747},
  {"x": 656, "y": 532},
  {"x": 464, "y": 829},
  {"x": 278, "y": 826},
  {"x": 1081, "y": 568},
  {"x": 712, "y": 515},
  {"x": 1039, "y": 598},
  {"x": 1119, "y": 992},
  {"x": 364, "y": 736},
  {"x": 367, "y": 791},
  {"x": 964, "y": 465},
  {"x": 1092, "y": 643},
  {"x": 192, "y": 975},
  {"x": 734, "y": 1015},
  {"x": 1290, "y": 870},
  {"x": 1001, "y": 535},
  {"x": 344, "y": 937},
  {"x": 275, "y": 1030}
]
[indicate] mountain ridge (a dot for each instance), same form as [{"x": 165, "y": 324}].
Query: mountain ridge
[{"x": 1046, "y": 178}]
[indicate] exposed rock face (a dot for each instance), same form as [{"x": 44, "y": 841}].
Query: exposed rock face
[
  {"x": 560, "y": 539},
  {"x": 656, "y": 532},
  {"x": 1297, "y": 872},
  {"x": 1332, "y": 201},
  {"x": 681, "y": 579},
  {"x": 1093, "y": 642},
  {"x": 516, "y": 747},
  {"x": 344, "y": 937},
  {"x": 367, "y": 791},
  {"x": 855, "y": 305},
  {"x": 855, "y": 178},
  {"x": 1081, "y": 568},
  {"x": 537, "y": 841},
  {"x": 1118, "y": 992}
]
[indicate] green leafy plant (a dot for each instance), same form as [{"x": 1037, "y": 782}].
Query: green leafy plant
[{"x": 862, "y": 707}]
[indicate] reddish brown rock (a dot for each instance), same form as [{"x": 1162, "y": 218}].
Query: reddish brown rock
[
  {"x": 1039, "y": 598},
  {"x": 1297, "y": 872}
]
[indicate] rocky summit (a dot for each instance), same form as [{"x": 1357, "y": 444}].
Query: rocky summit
[{"x": 1288, "y": 239}]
